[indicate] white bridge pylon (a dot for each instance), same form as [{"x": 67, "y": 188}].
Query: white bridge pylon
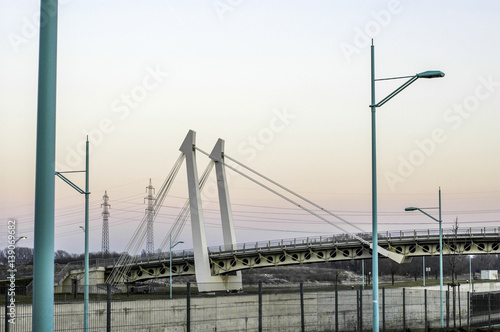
[
  {"x": 207, "y": 277},
  {"x": 204, "y": 278},
  {"x": 206, "y": 281}
]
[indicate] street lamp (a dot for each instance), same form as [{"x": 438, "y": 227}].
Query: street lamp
[
  {"x": 170, "y": 256},
  {"x": 20, "y": 238},
  {"x": 423, "y": 267},
  {"x": 440, "y": 251},
  {"x": 374, "y": 105},
  {"x": 85, "y": 229}
]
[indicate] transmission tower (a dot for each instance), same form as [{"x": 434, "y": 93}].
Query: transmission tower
[
  {"x": 105, "y": 226},
  {"x": 150, "y": 248}
]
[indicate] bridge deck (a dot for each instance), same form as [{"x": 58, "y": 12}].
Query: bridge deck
[{"x": 227, "y": 259}]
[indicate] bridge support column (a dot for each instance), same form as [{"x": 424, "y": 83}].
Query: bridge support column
[
  {"x": 204, "y": 278},
  {"x": 217, "y": 155}
]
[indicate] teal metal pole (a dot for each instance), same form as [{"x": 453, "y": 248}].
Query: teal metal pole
[
  {"x": 43, "y": 270},
  {"x": 170, "y": 256},
  {"x": 87, "y": 228},
  {"x": 423, "y": 266},
  {"x": 470, "y": 273},
  {"x": 441, "y": 260},
  {"x": 374, "y": 202},
  {"x": 363, "y": 272}
]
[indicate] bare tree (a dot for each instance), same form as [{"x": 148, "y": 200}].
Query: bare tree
[{"x": 456, "y": 262}]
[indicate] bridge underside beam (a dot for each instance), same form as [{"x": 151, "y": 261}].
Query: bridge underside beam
[
  {"x": 290, "y": 254},
  {"x": 228, "y": 262}
]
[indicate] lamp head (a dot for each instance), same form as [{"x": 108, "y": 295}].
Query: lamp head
[
  {"x": 411, "y": 209},
  {"x": 431, "y": 74}
]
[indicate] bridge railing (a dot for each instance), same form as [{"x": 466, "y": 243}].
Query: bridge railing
[
  {"x": 160, "y": 256},
  {"x": 318, "y": 241},
  {"x": 302, "y": 242},
  {"x": 448, "y": 232}
]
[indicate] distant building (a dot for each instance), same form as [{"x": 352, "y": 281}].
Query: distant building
[{"x": 489, "y": 274}]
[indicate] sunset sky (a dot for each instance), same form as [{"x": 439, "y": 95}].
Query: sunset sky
[{"x": 285, "y": 83}]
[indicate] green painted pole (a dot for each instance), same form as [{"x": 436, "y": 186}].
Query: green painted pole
[
  {"x": 470, "y": 273},
  {"x": 363, "y": 272},
  {"x": 170, "y": 258},
  {"x": 7, "y": 300},
  {"x": 374, "y": 201},
  {"x": 423, "y": 267},
  {"x": 43, "y": 269},
  {"x": 87, "y": 228},
  {"x": 188, "y": 308},
  {"x": 302, "y": 319},
  {"x": 441, "y": 260}
]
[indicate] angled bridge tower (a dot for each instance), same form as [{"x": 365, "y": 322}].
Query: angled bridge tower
[{"x": 205, "y": 279}]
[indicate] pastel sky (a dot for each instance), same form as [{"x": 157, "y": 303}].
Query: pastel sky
[{"x": 285, "y": 83}]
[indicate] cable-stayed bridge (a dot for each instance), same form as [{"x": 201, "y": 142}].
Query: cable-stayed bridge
[
  {"x": 219, "y": 268},
  {"x": 227, "y": 260}
]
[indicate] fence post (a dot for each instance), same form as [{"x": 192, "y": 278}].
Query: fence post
[
  {"x": 74, "y": 287},
  {"x": 404, "y": 309},
  {"x": 383, "y": 309},
  {"x": 302, "y": 323},
  {"x": 459, "y": 308},
  {"x": 336, "y": 308},
  {"x": 108, "y": 308},
  {"x": 447, "y": 309},
  {"x": 6, "y": 309},
  {"x": 188, "y": 308},
  {"x": 260, "y": 305},
  {"x": 425, "y": 311},
  {"x": 358, "y": 321},
  {"x": 489, "y": 310},
  {"x": 361, "y": 309},
  {"x": 453, "y": 299},
  {"x": 468, "y": 311}
]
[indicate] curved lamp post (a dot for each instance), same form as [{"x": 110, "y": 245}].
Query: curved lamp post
[
  {"x": 20, "y": 238},
  {"x": 440, "y": 251},
  {"x": 374, "y": 105},
  {"x": 170, "y": 256},
  {"x": 85, "y": 229}
]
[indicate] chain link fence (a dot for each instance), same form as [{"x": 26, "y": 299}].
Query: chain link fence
[{"x": 258, "y": 308}]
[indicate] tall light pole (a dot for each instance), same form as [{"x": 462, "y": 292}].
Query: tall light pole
[
  {"x": 470, "y": 273},
  {"x": 170, "y": 256},
  {"x": 440, "y": 251},
  {"x": 85, "y": 229},
  {"x": 423, "y": 266},
  {"x": 43, "y": 253},
  {"x": 363, "y": 272},
  {"x": 374, "y": 105}
]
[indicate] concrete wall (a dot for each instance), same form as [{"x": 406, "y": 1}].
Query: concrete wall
[{"x": 96, "y": 277}]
